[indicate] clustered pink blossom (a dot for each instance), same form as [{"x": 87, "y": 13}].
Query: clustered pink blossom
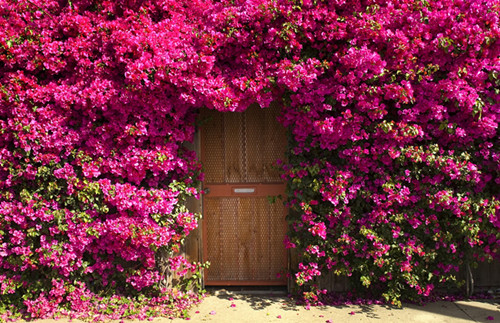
[
  {"x": 393, "y": 164},
  {"x": 97, "y": 100}
]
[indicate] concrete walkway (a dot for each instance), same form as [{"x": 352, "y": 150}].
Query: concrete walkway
[{"x": 224, "y": 306}]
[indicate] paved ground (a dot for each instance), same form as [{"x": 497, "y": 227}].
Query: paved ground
[
  {"x": 225, "y": 306},
  {"x": 239, "y": 307}
]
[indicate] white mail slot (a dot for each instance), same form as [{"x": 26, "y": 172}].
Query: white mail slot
[{"x": 244, "y": 190}]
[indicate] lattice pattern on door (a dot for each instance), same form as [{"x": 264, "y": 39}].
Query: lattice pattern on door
[
  {"x": 248, "y": 242},
  {"x": 242, "y": 147},
  {"x": 243, "y": 232}
]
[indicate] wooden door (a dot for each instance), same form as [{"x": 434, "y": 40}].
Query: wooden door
[{"x": 242, "y": 231}]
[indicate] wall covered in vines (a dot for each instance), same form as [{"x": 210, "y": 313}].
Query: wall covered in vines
[
  {"x": 97, "y": 99},
  {"x": 394, "y": 168},
  {"x": 393, "y": 165}
]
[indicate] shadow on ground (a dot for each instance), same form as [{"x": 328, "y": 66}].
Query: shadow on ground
[
  {"x": 257, "y": 299},
  {"x": 263, "y": 300}
]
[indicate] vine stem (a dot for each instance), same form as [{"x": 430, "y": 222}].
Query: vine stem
[
  {"x": 470, "y": 281},
  {"x": 43, "y": 10}
]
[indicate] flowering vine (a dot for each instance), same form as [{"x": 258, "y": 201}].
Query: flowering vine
[
  {"x": 393, "y": 168},
  {"x": 93, "y": 172},
  {"x": 393, "y": 163}
]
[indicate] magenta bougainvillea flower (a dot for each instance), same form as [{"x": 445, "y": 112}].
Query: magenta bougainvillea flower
[{"x": 393, "y": 166}]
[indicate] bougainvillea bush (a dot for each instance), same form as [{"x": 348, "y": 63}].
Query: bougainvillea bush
[
  {"x": 93, "y": 173},
  {"x": 393, "y": 163},
  {"x": 394, "y": 170}
]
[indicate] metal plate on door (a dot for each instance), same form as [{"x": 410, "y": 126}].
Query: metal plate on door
[{"x": 244, "y": 190}]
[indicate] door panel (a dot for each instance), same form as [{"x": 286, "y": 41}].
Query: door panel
[
  {"x": 265, "y": 143},
  {"x": 243, "y": 232}
]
